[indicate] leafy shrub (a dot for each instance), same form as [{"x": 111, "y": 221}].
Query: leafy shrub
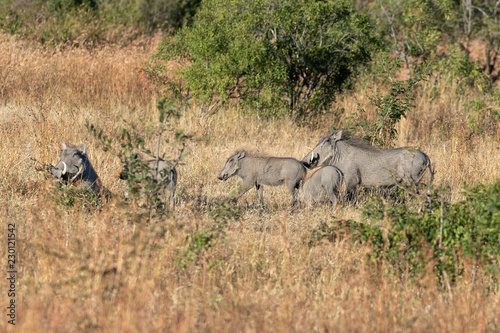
[
  {"x": 73, "y": 197},
  {"x": 446, "y": 233},
  {"x": 483, "y": 112},
  {"x": 194, "y": 246},
  {"x": 223, "y": 212},
  {"x": 457, "y": 65},
  {"x": 389, "y": 111},
  {"x": 87, "y": 22},
  {"x": 287, "y": 56},
  {"x": 410, "y": 29}
]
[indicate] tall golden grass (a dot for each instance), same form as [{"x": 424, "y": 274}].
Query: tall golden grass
[{"x": 109, "y": 270}]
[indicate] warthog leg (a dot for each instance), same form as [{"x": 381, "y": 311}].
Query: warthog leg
[{"x": 260, "y": 192}]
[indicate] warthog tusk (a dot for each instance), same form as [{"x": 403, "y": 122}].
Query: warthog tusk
[
  {"x": 312, "y": 157},
  {"x": 64, "y": 170},
  {"x": 74, "y": 177}
]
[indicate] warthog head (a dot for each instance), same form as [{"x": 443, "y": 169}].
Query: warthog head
[
  {"x": 324, "y": 150},
  {"x": 71, "y": 163},
  {"x": 232, "y": 165}
]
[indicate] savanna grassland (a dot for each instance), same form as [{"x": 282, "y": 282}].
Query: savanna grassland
[{"x": 110, "y": 268}]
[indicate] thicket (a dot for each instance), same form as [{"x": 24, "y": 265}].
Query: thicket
[
  {"x": 442, "y": 236},
  {"x": 90, "y": 22},
  {"x": 274, "y": 56},
  {"x": 295, "y": 58}
]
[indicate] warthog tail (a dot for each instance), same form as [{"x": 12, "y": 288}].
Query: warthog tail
[{"x": 430, "y": 170}]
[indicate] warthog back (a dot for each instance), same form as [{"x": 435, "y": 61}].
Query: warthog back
[{"x": 368, "y": 166}]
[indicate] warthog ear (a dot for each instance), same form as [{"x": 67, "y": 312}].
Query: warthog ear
[
  {"x": 65, "y": 145},
  {"x": 82, "y": 148},
  {"x": 240, "y": 154},
  {"x": 337, "y": 135}
]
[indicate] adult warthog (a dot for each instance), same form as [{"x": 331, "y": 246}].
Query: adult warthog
[
  {"x": 258, "y": 171},
  {"x": 75, "y": 167},
  {"x": 144, "y": 170},
  {"x": 322, "y": 186},
  {"x": 369, "y": 166}
]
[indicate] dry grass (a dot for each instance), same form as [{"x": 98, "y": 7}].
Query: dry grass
[{"x": 108, "y": 270}]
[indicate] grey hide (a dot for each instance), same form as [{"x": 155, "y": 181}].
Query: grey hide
[
  {"x": 323, "y": 186},
  {"x": 258, "y": 171},
  {"x": 369, "y": 166},
  {"x": 74, "y": 166},
  {"x": 162, "y": 171}
]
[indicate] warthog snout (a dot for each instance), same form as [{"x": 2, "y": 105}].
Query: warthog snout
[
  {"x": 59, "y": 171},
  {"x": 311, "y": 160},
  {"x": 65, "y": 172},
  {"x": 71, "y": 162},
  {"x": 223, "y": 176}
]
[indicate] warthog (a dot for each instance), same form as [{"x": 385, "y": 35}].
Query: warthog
[
  {"x": 74, "y": 166},
  {"x": 322, "y": 186},
  {"x": 369, "y": 166},
  {"x": 161, "y": 172},
  {"x": 258, "y": 171}
]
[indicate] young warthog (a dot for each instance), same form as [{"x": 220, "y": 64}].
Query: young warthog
[
  {"x": 154, "y": 170},
  {"x": 369, "y": 166},
  {"x": 74, "y": 166},
  {"x": 259, "y": 171},
  {"x": 322, "y": 186}
]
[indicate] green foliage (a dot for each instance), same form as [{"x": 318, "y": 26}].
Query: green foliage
[
  {"x": 390, "y": 108},
  {"x": 443, "y": 236},
  {"x": 72, "y": 197},
  {"x": 86, "y": 22},
  {"x": 223, "y": 212},
  {"x": 132, "y": 142},
  {"x": 194, "y": 246},
  {"x": 55, "y": 21},
  {"x": 140, "y": 179},
  {"x": 411, "y": 29},
  {"x": 167, "y": 14},
  {"x": 287, "y": 56},
  {"x": 457, "y": 65},
  {"x": 483, "y": 112}
]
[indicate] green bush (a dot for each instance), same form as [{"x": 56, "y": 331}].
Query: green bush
[
  {"x": 447, "y": 234},
  {"x": 72, "y": 197},
  {"x": 194, "y": 246},
  {"x": 87, "y": 22},
  {"x": 277, "y": 57},
  {"x": 457, "y": 65}
]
